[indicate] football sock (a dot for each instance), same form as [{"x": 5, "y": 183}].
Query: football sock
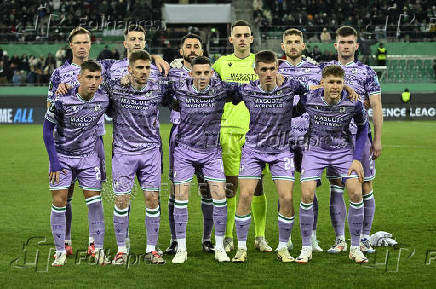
[
  {"x": 338, "y": 210},
  {"x": 285, "y": 228},
  {"x": 219, "y": 220},
  {"x": 355, "y": 221},
  {"x": 231, "y": 210},
  {"x": 207, "y": 207},
  {"x": 68, "y": 219},
  {"x": 315, "y": 212},
  {"x": 369, "y": 210},
  {"x": 242, "y": 226},
  {"x": 96, "y": 220},
  {"x": 259, "y": 208},
  {"x": 152, "y": 224},
  {"x": 181, "y": 220},
  {"x": 306, "y": 223},
  {"x": 121, "y": 222},
  {"x": 171, "y": 217},
  {"x": 57, "y": 222}
]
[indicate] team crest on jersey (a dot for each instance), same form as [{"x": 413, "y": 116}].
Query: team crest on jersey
[
  {"x": 97, "y": 107},
  {"x": 307, "y": 70},
  {"x": 355, "y": 70},
  {"x": 229, "y": 64},
  {"x": 342, "y": 109},
  {"x": 148, "y": 94},
  {"x": 211, "y": 92},
  {"x": 74, "y": 108}
]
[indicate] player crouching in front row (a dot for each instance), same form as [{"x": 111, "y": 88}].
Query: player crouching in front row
[
  {"x": 329, "y": 144},
  {"x": 72, "y": 153}
]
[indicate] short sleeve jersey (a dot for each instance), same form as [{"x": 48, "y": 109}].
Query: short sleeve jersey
[
  {"x": 76, "y": 122},
  {"x": 230, "y": 68}
]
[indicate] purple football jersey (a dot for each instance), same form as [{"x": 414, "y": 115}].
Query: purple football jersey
[
  {"x": 361, "y": 78},
  {"x": 135, "y": 116},
  {"x": 119, "y": 68},
  {"x": 329, "y": 124},
  {"x": 200, "y": 113},
  {"x": 77, "y": 122},
  {"x": 309, "y": 74},
  {"x": 67, "y": 74},
  {"x": 270, "y": 114}
]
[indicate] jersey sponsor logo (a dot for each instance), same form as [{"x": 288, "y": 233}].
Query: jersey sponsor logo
[{"x": 242, "y": 77}]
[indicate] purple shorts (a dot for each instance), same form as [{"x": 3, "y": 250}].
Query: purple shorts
[
  {"x": 368, "y": 164},
  {"x": 315, "y": 160},
  {"x": 146, "y": 166},
  {"x": 86, "y": 170},
  {"x": 280, "y": 164},
  {"x": 188, "y": 160},
  {"x": 172, "y": 147}
]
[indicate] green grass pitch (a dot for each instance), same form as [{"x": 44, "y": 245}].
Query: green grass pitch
[{"x": 405, "y": 199}]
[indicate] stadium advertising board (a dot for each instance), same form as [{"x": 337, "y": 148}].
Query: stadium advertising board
[{"x": 31, "y": 109}]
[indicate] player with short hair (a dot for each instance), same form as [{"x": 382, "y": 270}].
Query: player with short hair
[
  {"x": 201, "y": 100},
  {"x": 79, "y": 41},
  {"x": 190, "y": 48},
  {"x": 74, "y": 119},
  {"x": 267, "y": 142},
  {"x": 238, "y": 67},
  {"x": 329, "y": 144},
  {"x": 365, "y": 82},
  {"x": 304, "y": 70},
  {"x": 137, "y": 151}
]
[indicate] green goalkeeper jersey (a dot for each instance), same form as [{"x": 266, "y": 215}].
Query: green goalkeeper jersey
[{"x": 236, "y": 118}]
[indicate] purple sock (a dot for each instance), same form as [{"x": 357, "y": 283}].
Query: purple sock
[
  {"x": 128, "y": 217},
  {"x": 306, "y": 223},
  {"x": 171, "y": 217},
  {"x": 68, "y": 219},
  {"x": 101, "y": 155},
  {"x": 369, "y": 210},
  {"x": 180, "y": 218},
  {"x": 152, "y": 224},
  {"x": 338, "y": 211},
  {"x": 242, "y": 224},
  {"x": 207, "y": 206},
  {"x": 57, "y": 222},
  {"x": 315, "y": 212},
  {"x": 285, "y": 227},
  {"x": 121, "y": 223},
  {"x": 96, "y": 220},
  {"x": 219, "y": 212},
  {"x": 355, "y": 221}
]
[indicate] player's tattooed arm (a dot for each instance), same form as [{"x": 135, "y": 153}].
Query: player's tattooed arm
[{"x": 161, "y": 64}]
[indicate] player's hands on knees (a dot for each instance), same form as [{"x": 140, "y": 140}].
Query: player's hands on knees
[
  {"x": 55, "y": 175},
  {"x": 356, "y": 166},
  {"x": 63, "y": 88},
  {"x": 376, "y": 149}
]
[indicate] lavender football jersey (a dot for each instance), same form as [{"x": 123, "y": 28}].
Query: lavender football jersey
[
  {"x": 67, "y": 74},
  {"x": 135, "y": 116},
  {"x": 119, "y": 68},
  {"x": 361, "y": 78},
  {"x": 76, "y": 122},
  {"x": 309, "y": 74},
  {"x": 329, "y": 124},
  {"x": 200, "y": 112},
  {"x": 270, "y": 114}
]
